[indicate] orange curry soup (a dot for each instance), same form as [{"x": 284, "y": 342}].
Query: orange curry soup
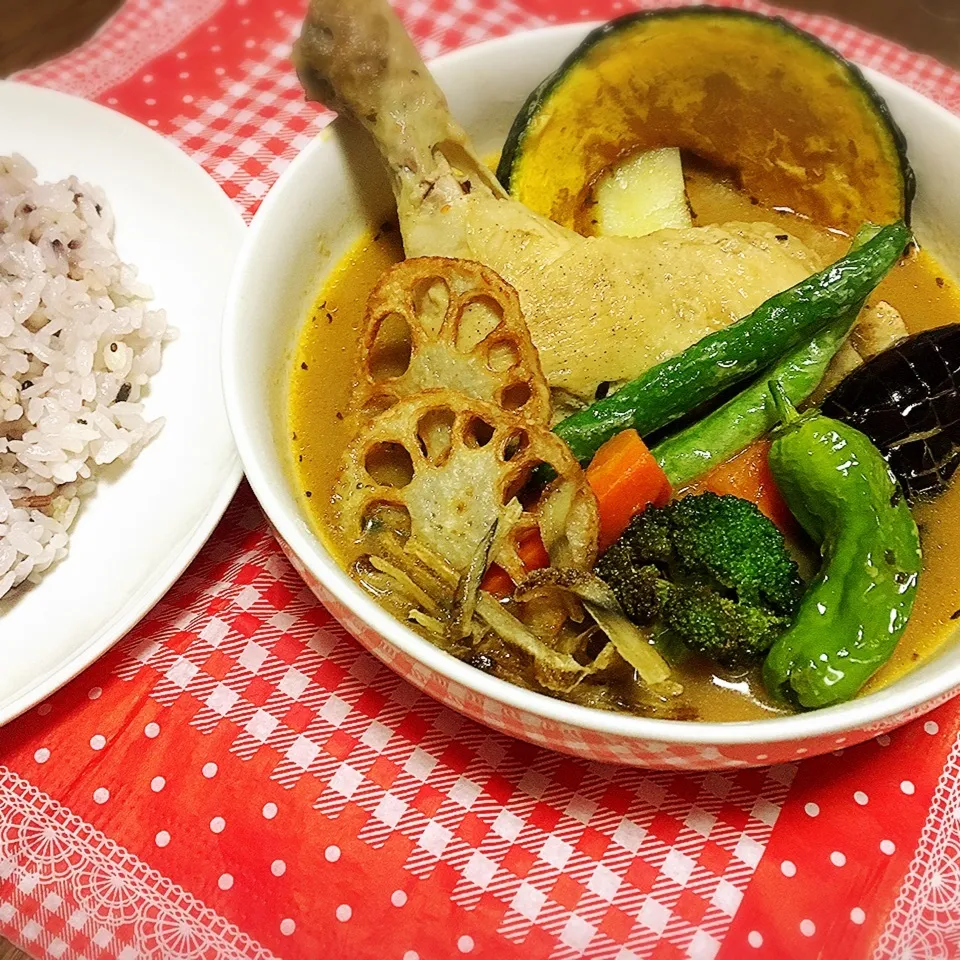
[{"x": 323, "y": 382}]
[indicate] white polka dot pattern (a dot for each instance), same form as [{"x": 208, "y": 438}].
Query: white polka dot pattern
[{"x": 140, "y": 31}]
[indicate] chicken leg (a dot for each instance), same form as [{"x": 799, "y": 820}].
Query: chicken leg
[{"x": 601, "y": 310}]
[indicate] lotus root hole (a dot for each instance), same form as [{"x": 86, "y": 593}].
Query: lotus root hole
[
  {"x": 502, "y": 355},
  {"x": 516, "y": 443},
  {"x": 515, "y": 396},
  {"x": 477, "y": 432},
  {"x": 389, "y": 464},
  {"x": 434, "y": 434},
  {"x": 479, "y": 317},
  {"x": 390, "y": 351},
  {"x": 524, "y": 485},
  {"x": 377, "y": 404},
  {"x": 431, "y": 300}
]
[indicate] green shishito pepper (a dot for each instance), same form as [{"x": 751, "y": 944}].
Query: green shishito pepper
[
  {"x": 724, "y": 358},
  {"x": 842, "y": 492}
]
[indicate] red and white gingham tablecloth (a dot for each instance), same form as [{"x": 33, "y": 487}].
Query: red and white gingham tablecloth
[{"x": 238, "y": 778}]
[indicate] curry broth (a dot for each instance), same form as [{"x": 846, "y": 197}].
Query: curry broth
[
  {"x": 324, "y": 384},
  {"x": 918, "y": 286}
]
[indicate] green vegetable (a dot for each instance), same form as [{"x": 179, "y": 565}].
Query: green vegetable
[
  {"x": 745, "y": 92},
  {"x": 724, "y": 358},
  {"x": 841, "y": 490},
  {"x": 752, "y": 413},
  {"x": 731, "y": 632},
  {"x": 711, "y": 569}
]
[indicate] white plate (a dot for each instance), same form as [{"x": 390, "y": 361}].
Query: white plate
[{"x": 134, "y": 537}]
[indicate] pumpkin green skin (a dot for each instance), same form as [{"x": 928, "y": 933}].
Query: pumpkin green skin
[{"x": 794, "y": 123}]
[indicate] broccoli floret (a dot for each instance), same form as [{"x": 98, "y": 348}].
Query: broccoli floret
[
  {"x": 711, "y": 569},
  {"x": 730, "y": 540},
  {"x": 648, "y": 592},
  {"x": 732, "y": 632},
  {"x": 652, "y": 540}
]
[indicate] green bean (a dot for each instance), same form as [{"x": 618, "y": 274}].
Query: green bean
[{"x": 751, "y": 414}]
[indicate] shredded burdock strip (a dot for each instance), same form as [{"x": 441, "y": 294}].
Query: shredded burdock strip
[
  {"x": 556, "y": 671},
  {"x": 431, "y": 560},
  {"x": 632, "y": 643},
  {"x": 407, "y": 586},
  {"x": 468, "y": 589},
  {"x": 391, "y": 548},
  {"x": 432, "y": 624}
]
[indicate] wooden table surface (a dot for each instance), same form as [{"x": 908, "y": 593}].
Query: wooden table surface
[{"x": 36, "y": 30}]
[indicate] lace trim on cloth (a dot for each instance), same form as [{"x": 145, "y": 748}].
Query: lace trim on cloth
[
  {"x": 925, "y": 921},
  {"x": 138, "y": 33},
  {"x": 55, "y": 865}
]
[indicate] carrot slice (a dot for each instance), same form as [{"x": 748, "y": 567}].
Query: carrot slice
[
  {"x": 749, "y": 477},
  {"x": 626, "y": 478},
  {"x": 533, "y": 555}
]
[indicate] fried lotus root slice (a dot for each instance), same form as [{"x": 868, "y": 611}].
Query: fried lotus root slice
[
  {"x": 438, "y": 323},
  {"x": 459, "y": 468}
]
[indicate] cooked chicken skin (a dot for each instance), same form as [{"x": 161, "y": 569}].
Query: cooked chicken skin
[{"x": 601, "y": 310}]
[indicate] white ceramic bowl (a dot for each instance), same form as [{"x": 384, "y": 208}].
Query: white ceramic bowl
[{"x": 335, "y": 189}]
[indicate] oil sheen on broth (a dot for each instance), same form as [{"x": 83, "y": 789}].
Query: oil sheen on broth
[{"x": 323, "y": 384}]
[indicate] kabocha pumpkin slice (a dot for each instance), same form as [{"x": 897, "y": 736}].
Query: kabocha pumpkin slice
[
  {"x": 434, "y": 322},
  {"x": 796, "y": 124},
  {"x": 454, "y": 468}
]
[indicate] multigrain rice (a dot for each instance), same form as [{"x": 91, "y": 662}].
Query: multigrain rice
[{"x": 77, "y": 347}]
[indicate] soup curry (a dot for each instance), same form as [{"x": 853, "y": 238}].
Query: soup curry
[{"x": 320, "y": 427}]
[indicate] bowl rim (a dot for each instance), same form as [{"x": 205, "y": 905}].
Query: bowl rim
[{"x": 871, "y": 711}]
